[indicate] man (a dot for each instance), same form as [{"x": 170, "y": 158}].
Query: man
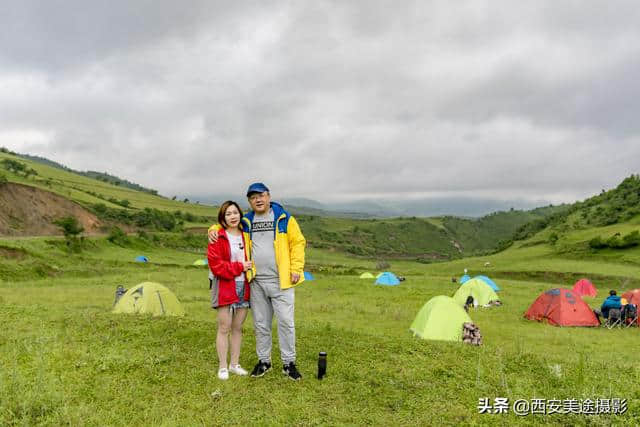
[
  {"x": 277, "y": 246},
  {"x": 612, "y": 302}
]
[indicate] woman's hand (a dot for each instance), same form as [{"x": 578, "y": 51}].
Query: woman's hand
[{"x": 247, "y": 265}]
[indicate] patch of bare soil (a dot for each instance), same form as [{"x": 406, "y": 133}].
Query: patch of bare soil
[
  {"x": 30, "y": 211},
  {"x": 13, "y": 253},
  {"x": 197, "y": 230}
]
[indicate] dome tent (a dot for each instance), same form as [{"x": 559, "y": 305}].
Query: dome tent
[
  {"x": 464, "y": 279},
  {"x": 201, "y": 262},
  {"x": 308, "y": 276},
  {"x": 149, "y": 298},
  {"x": 489, "y": 282},
  {"x": 632, "y": 296},
  {"x": 441, "y": 318},
  {"x": 479, "y": 290},
  {"x": 387, "y": 278},
  {"x": 561, "y": 307},
  {"x": 584, "y": 287},
  {"x": 367, "y": 275},
  {"x": 141, "y": 258}
]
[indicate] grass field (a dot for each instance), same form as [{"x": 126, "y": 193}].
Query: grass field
[{"x": 67, "y": 360}]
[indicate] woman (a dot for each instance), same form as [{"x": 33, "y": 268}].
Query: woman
[{"x": 230, "y": 262}]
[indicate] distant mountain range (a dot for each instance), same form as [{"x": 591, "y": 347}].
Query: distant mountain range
[
  {"x": 387, "y": 208},
  {"x": 363, "y": 208}
]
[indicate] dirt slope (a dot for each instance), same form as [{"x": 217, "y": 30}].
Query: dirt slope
[{"x": 29, "y": 211}]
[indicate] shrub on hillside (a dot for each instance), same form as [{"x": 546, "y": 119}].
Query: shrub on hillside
[
  {"x": 3, "y": 179},
  {"x": 100, "y": 208},
  {"x": 72, "y": 230},
  {"x": 597, "y": 243},
  {"x": 70, "y": 226},
  {"x": 154, "y": 218},
  {"x": 118, "y": 237},
  {"x": 146, "y": 218},
  {"x": 615, "y": 242},
  {"x": 14, "y": 166},
  {"x": 529, "y": 229},
  {"x": 632, "y": 239}
]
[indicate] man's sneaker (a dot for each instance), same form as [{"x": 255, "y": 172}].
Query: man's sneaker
[
  {"x": 260, "y": 369},
  {"x": 237, "y": 369},
  {"x": 291, "y": 371},
  {"x": 223, "y": 373}
]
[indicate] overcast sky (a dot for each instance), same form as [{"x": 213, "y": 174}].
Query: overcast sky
[{"x": 501, "y": 99}]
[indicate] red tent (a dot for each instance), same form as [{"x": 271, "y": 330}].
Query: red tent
[
  {"x": 562, "y": 307},
  {"x": 585, "y": 287},
  {"x": 632, "y": 297}
]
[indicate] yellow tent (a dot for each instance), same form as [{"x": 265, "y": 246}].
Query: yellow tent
[
  {"x": 366, "y": 275},
  {"x": 150, "y": 298}
]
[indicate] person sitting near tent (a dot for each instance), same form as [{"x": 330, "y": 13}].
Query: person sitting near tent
[
  {"x": 469, "y": 303},
  {"x": 628, "y": 311},
  {"x": 612, "y": 302},
  {"x": 230, "y": 262}
]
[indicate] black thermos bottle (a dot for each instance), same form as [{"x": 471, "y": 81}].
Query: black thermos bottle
[{"x": 322, "y": 364}]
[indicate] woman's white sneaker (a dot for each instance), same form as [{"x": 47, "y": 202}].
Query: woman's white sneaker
[
  {"x": 237, "y": 369},
  {"x": 223, "y": 373}
]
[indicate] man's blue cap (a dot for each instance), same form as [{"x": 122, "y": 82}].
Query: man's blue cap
[{"x": 256, "y": 187}]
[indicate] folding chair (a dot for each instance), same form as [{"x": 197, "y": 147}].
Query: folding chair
[
  {"x": 614, "y": 319},
  {"x": 630, "y": 315}
]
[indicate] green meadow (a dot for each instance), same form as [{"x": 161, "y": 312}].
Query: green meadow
[{"x": 67, "y": 360}]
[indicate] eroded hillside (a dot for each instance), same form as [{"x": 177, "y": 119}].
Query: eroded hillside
[{"x": 28, "y": 211}]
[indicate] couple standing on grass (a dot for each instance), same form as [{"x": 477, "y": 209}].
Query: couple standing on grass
[{"x": 256, "y": 260}]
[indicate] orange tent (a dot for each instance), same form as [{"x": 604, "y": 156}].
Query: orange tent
[
  {"x": 632, "y": 297},
  {"x": 585, "y": 287},
  {"x": 562, "y": 307}
]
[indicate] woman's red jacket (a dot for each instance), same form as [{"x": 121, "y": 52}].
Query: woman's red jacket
[{"x": 225, "y": 270}]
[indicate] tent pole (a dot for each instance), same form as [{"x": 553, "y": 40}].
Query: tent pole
[{"x": 160, "y": 299}]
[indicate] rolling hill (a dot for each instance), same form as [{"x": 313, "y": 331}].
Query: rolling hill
[{"x": 424, "y": 239}]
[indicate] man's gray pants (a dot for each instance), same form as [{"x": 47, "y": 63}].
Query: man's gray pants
[{"x": 266, "y": 299}]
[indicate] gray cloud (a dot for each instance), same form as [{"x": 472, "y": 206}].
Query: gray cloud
[{"x": 329, "y": 99}]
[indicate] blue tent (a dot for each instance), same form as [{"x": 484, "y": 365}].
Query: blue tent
[
  {"x": 489, "y": 282},
  {"x": 464, "y": 279},
  {"x": 142, "y": 258},
  {"x": 387, "y": 278},
  {"x": 308, "y": 276}
]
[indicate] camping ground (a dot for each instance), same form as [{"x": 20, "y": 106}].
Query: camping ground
[{"x": 68, "y": 360}]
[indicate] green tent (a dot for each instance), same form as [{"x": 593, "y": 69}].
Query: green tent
[
  {"x": 441, "y": 318},
  {"x": 367, "y": 275},
  {"x": 478, "y": 289},
  {"x": 378, "y": 275},
  {"x": 200, "y": 262},
  {"x": 150, "y": 298}
]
